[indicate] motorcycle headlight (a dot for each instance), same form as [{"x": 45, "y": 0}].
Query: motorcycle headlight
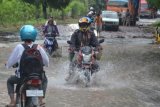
[
  {"x": 48, "y": 41},
  {"x": 86, "y": 58}
]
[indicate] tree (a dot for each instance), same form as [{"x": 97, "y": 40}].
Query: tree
[
  {"x": 44, "y": 7},
  {"x": 76, "y": 8},
  {"x": 59, "y": 4},
  {"x": 154, "y": 3},
  {"x": 36, "y": 3}
]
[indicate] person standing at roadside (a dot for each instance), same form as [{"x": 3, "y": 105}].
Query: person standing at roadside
[
  {"x": 127, "y": 18},
  {"x": 98, "y": 23}
]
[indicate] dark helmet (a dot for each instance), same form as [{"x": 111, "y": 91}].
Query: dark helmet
[{"x": 84, "y": 24}]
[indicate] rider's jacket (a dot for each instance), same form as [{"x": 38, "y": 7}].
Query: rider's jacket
[
  {"x": 51, "y": 29},
  {"x": 80, "y": 38}
]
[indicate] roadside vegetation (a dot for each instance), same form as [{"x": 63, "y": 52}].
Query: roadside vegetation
[
  {"x": 155, "y": 4},
  {"x": 156, "y": 24},
  {"x": 14, "y": 13}
]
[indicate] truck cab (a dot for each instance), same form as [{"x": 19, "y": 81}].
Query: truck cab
[
  {"x": 146, "y": 10},
  {"x": 121, "y": 7}
]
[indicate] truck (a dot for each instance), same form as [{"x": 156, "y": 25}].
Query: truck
[
  {"x": 146, "y": 10},
  {"x": 122, "y": 6}
]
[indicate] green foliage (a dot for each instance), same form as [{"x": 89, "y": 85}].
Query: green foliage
[
  {"x": 58, "y": 4},
  {"x": 22, "y": 11},
  {"x": 29, "y": 1},
  {"x": 154, "y": 3},
  {"x": 56, "y": 13},
  {"x": 157, "y": 24},
  {"x": 14, "y": 10},
  {"x": 76, "y": 8}
]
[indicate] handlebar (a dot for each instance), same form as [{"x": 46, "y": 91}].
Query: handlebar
[
  {"x": 51, "y": 34},
  {"x": 15, "y": 65},
  {"x": 76, "y": 50},
  {"x": 50, "y": 37}
]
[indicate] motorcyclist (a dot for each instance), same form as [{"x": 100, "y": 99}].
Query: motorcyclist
[
  {"x": 46, "y": 23},
  {"x": 91, "y": 12},
  {"x": 82, "y": 37},
  {"x": 28, "y": 34},
  {"x": 51, "y": 30}
]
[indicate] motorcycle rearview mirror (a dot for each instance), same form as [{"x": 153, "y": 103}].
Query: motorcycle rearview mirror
[
  {"x": 69, "y": 42},
  {"x": 101, "y": 41}
]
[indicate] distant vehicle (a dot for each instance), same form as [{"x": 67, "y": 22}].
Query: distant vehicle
[
  {"x": 110, "y": 20},
  {"x": 146, "y": 10},
  {"x": 121, "y": 6}
]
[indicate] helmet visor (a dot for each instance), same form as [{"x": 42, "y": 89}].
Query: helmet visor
[{"x": 83, "y": 25}]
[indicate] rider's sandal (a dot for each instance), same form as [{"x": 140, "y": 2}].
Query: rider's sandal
[{"x": 42, "y": 105}]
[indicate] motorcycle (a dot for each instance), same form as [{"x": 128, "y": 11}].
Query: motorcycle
[
  {"x": 29, "y": 90},
  {"x": 84, "y": 64},
  {"x": 50, "y": 43}
]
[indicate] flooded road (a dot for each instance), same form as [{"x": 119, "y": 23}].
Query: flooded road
[
  {"x": 129, "y": 77},
  {"x": 129, "y": 74}
]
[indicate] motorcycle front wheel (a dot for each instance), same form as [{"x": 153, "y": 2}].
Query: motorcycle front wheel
[{"x": 86, "y": 77}]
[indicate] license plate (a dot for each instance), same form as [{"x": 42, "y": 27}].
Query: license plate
[{"x": 33, "y": 93}]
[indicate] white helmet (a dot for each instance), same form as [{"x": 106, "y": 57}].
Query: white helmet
[
  {"x": 91, "y": 8},
  {"x": 90, "y": 13}
]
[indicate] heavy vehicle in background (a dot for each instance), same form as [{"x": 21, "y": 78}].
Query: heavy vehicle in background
[
  {"x": 146, "y": 10},
  {"x": 121, "y": 6}
]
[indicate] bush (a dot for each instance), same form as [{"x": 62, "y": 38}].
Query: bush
[
  {"x": 76, "y": 8},
  {"x": 14, "y": 11},
  {"x": 157, "y": 24}
]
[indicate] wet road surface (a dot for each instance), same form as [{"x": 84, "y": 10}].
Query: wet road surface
[{"x": 129, "y": 75}]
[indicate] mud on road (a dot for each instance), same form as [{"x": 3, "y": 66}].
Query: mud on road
[{"x": 129, "y": 75}]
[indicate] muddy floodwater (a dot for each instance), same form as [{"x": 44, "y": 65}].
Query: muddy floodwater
[{"x": 129, "y": 74}]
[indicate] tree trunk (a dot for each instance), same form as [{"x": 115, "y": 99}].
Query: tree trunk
[
  {"x": 44, "y": 5},
  {"x": 62, "y": 14},
  {"x": 37, "y": 9}
]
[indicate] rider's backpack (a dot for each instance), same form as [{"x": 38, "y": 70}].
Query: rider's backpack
[{"x": 31, "y": 62}]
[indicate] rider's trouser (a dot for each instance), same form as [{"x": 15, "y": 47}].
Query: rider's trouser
[{"x": 10, "y": 84}]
